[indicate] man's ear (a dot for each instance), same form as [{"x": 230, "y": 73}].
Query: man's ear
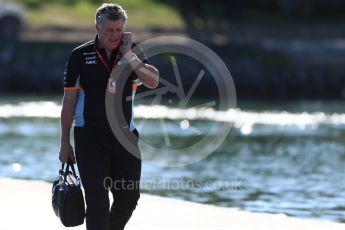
[{"x": 97, "y": 28}]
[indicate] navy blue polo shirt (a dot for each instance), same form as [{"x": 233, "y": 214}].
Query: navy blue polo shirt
[{"x": 86, "y": 72}]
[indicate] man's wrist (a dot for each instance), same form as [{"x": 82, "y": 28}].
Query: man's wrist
[
  {"x": 128, "y": 56},
  {"x": 135, "y": 62},
  {"x": 65, "y": 141},
  {"x": 65, "y": 138},
  {"x": 132, "y": 59}
]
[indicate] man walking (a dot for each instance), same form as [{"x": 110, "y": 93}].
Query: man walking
[{"x": 99, "y": 154}]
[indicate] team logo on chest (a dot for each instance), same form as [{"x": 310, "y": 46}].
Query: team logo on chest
[{"x": 90, "y": 58}]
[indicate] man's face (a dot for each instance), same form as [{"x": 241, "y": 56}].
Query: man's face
[{"x": 110, "y": 33}]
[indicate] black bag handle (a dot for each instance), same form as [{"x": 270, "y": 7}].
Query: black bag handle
[{"x": 65, "y": 173}]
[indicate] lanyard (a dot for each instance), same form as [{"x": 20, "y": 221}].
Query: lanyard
[{"x": 105, "y": 64}]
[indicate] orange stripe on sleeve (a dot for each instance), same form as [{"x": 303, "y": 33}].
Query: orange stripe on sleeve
[
  {"x": 72, "y": 88},
  {"x": 134, "y": 87}
]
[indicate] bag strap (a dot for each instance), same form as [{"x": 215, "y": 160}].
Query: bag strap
[
  {"x": 66, "y": 171},
  {"x": 72, "y": 167},
  {"x": 61, "y": 172}
]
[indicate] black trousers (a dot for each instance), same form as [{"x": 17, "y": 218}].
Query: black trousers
[{"x": 104, "y": 164}]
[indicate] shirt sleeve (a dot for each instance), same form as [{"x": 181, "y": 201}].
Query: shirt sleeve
[{"x": 72, "y": 71}]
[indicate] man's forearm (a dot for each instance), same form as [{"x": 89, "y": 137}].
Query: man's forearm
[
  {"x": 67, "y": 116},
  {"x": 148, "y": 74},
  {"x": 66, "y": 123}
]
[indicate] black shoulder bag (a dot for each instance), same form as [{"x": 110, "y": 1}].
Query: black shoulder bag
[{"x": 67, "y": 197}]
